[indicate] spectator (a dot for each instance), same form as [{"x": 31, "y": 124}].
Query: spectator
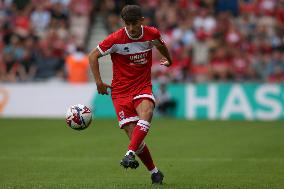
[
  {"x": 58, "y": 13},
  {"x": 48, "y": 66},
  {"x": 80, "y": 19},
  {"x": 40, "y": 19},
  {"x": 77, "y": 67},
  {"x": 21, "y": 23},
  {"x": 203, "y": 20},
  {"x": 180, "y": 69},
  {"x": 183, "y": 34},
  {"x": 259, "y": 66},
  {"x": 240, "y": 65},
  {"x": 220, "y": 65},
  {"x": 12, "y": 56},
  {"x": 275, "y": 66},
  {"x": 277, "y": 75},
  {"x": 28, "y": 62},
  {"x": 224, "y": 6},
  {"x": 200, "y": 59}
]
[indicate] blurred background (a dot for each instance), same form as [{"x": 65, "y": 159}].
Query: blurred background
[{"x": 227, "y": 54}]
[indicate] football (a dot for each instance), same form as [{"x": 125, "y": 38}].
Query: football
[{"x": 78, "y": 117}]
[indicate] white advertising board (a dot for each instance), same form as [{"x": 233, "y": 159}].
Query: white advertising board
[{"x": 43, "y": 99}]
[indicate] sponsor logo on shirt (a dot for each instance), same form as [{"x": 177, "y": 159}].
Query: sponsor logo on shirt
[{"x": 139, "y": 58}]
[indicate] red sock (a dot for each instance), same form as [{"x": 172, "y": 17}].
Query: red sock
[
  {"x": 138, "y": 134},
  {"x": 146, "y": 157}
]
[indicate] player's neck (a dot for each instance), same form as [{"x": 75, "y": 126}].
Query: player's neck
[{"x": 138, "y": 36}]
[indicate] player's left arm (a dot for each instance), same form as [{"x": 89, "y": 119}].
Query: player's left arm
[{"x": 162, "y": 48}]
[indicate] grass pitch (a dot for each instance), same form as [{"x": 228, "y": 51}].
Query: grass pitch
[{"x": 45, "y": 153}]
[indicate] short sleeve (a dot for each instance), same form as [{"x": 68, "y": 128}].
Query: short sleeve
[
  {"x": 157, "y": 36},
  {"x": 107, "y": 46}
]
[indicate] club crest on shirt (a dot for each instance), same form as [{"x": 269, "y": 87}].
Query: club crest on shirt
[
  {"x": 121, "y": 115},
  {"x": 126, "y": 49}
]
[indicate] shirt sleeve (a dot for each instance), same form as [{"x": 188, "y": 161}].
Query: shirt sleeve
[
  {"x": 157, "y": 36},
  {"x": 107, "y": 46}
]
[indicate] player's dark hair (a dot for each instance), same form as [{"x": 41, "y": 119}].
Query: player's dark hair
[{"x": 131, "y": 13}]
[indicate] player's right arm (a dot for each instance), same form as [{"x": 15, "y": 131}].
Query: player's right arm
[
  {"x": 107, "y": 46},
  {"x": 94, "y": 56}
]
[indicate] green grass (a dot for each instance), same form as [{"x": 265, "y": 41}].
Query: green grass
[{"x": 45, "y": 153}]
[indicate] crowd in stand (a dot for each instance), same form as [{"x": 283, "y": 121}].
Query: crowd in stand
[
  {"x": 41, "y": 38},
  {"x": 210, "y": 40},
  {"x": 221, "y": 40}
]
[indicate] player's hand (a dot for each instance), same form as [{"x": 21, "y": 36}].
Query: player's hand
[
  {"x": 165, "y": 62},
  {"x": 102, "y": 88}
]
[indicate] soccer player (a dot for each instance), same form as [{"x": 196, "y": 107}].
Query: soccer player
[{"x": 130, "y": 49}]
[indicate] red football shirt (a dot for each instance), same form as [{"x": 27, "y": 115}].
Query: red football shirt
[{"x": 132, "y": 59}]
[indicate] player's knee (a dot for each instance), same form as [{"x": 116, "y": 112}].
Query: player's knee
[{"x": 147, "y": 112}]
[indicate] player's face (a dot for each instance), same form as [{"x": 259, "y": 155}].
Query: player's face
[{"x": 134, "y": 28}]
